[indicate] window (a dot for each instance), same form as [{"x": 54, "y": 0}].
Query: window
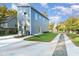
[
  {"x": 25, "y": 13},
  {"x": 36, "y": 16},
  {"x": 6, "y": 24}
]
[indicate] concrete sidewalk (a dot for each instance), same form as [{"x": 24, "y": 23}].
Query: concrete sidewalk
[
  {"x": 9, "y": 41},
  {"x": 6, "y": 40},
  {"x": 30, "y": 48},
  {"x": 72, "y": 50},
  {"x": 20, "y": 47},
  {"x": 7, "y": 37}
]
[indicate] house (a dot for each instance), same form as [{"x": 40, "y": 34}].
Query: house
[
  {"x": 9, "y": 25},
  {"x": 30, "y": 20}
]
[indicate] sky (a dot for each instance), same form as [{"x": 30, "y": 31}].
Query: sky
[{"x": 57, "y": 12}]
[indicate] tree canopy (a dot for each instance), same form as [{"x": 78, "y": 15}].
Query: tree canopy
[
  {"x": 51, "y": 25},
  {"x": 4, "y": 12},
  {"x": 71, "y": 24}
]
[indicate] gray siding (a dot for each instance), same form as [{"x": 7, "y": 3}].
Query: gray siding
[
  {"x": 9, "y": 24},
  {"x": 35, "y": 27},
  {"x": 12, "y": 23},
  {"x": 38, "y": 22}
]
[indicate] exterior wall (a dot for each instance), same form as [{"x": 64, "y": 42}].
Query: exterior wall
[
  {"x": 45, "y": 24},
  {"x": 12, "y": 24},
  {"x": 35, "y": 27},
  {"x": 23, "y": 19},
  {"x": 9, "y": 27},
  {"x": 33, "y": 20},
  {"x": 4, "y": 25},
  {"x": 38, "y": 22}
]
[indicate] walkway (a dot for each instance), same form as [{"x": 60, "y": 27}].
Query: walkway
[
  {"x": 29, "y": 48},
  {"x": 72, "y": 50},
  {"x": 60, "y": 48}
]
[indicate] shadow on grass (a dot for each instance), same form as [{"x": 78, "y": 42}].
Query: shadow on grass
[{"x": 45, "y": 37}]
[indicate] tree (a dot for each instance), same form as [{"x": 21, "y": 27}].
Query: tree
[
  {"x": 51, "y": 25},
  {"x": 70, "y": 24},
  {"x": 61, "y": 27},
  {"x": 4, "y": 12},
  {"x": 12, "y": 12},
  {"x": 77, "y": 24}
]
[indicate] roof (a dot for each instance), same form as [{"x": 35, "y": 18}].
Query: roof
[
  {"x": 8, "y": 19},
  {"x": 39, "y": 13},
  {"x": 29, "y": 5}
]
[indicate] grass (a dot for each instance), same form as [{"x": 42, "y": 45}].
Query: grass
[
  {"x": 74, "y": 38},
  {"x": 45, "y": 37}
]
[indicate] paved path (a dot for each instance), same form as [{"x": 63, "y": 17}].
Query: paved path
[
  {"x": 29, "y": 48},
  {"x": 72, "y": 49},
  {"x": 10, "y": 40},
  {"x": 60, "y": 46},
  {"x": 60, "y": 49}
]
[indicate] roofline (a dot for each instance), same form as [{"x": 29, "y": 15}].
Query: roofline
[
  {"x": 39, "y": 12},
  {"x": 8, "y": 20},
  {"x": 33, "y": 9}
]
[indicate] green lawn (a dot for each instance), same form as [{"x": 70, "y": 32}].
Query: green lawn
[
  {"x": 74, "y": 38},
  {"x": 45, "y": 37}
]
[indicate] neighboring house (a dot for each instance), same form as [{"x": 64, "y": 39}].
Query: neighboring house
[
  {"x": 30, "y": 20},
  {"x": 9, "y": 24}
]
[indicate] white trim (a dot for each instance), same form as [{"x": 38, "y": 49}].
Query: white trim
[
  {"x": 30, "y": 20},
  {"x": 17, "y": 23}
]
